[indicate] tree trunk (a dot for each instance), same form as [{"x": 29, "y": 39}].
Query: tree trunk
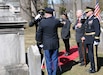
[
  {"x": 25, "y": 6},
  {"x": 79, "y": 4},
  {"x": 74, "y": 11}
]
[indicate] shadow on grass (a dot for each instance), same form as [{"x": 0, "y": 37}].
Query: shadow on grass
[
  {"x": 71, "y": 51},
  {"x": 67, "y": 63},
  {"x": 66, "y": 66},
  {"x": 100, "y": 62}
]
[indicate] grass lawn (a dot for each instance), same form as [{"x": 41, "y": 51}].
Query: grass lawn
[{"x": 75, "y": 69}]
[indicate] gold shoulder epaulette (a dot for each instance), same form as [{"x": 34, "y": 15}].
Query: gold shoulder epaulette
[{"x": 96, "y": 37}]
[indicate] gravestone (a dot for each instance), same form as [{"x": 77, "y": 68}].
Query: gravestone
[
  {"x": 12, "y": 52},
  {"x": 34, "y": 60}
]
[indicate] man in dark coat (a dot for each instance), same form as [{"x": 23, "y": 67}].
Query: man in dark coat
[
  {"x": 91, "y": 35},
  {"x": 34, "y": 22},
  {"x": 48, "y": 36},
  {"x": 79, "y": 33},
  {"x": 65, "y": 32}
]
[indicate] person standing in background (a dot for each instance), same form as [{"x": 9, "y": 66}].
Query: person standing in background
[
  {"x": 79, "y": 33},
  {"x": 35, "y": 22},
  {"x": 65, "y": 33}
]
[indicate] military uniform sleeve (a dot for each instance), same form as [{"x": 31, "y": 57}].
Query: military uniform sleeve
[
  {"x": 39, "y": 34},
  {"x": 34, "y": 22},
  {"x": 97, "y": 29},
  {"x": 59, "y": 23}
]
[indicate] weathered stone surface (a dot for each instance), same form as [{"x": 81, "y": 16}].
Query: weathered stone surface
[
  {"x": 34, "y": 60},
  {"x": 12, "y": 52},
  {"x": 20, "y": 69}
]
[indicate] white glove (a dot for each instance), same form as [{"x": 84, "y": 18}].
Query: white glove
[
  {"x": 96, "y": 43},
  {"x": 37, "y": 17},
  {"x": 41, "y": 46}
]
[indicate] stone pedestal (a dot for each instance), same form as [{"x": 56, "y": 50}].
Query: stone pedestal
[
  {"x": 20, "y": 69},
  {"x": 12, "y": 47},
  {"x": 12, "y": 52}
]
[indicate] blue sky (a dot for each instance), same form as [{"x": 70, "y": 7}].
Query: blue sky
[{"x": 55, "y": 1}]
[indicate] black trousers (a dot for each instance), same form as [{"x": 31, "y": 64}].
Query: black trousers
[
  {"x": 67, "y": 45},
  {"x": 90, "y": 55},
  {"x": 81, "y": 58}
]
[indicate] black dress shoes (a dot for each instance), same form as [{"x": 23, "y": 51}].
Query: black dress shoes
[
  {"x": 66, "y": 54},
  {"x": 92, "y": 71},
  {"x": 82, "y": 64}
]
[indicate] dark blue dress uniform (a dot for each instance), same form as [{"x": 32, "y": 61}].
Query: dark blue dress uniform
[
  {"x": 91, "y": 34},
  {"x": 36, "y": 22},
  {"x": 47, "y": 35},
  {"x": 92, "y": 30}
]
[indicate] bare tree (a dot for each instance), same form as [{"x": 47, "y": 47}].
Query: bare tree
[
  {"x": 45, "y": 3},
  {"x": 101, "y": 4},
  {"x": 25, "y": 6},
  {"x": 29, "y": 8}
]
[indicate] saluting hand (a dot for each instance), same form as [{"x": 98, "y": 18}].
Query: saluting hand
[{"x": 63, "y": 22}]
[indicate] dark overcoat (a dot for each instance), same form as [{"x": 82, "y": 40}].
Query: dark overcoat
[
  {"x": 47, "y": 33},
  {"x": 65, "y": 32},
  {"x": 79, "y": 32},
  {"x": 92, "y": 25}
]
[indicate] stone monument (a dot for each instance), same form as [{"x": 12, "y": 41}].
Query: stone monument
[
  {"x": 34, "y": 60},
  {"x": 12, "y": 52}
]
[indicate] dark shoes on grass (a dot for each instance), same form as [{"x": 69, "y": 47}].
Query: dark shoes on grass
[
  {"x": 91, "y": 70},
  {"x": 66, "y": 54},
  {"x": 82, "y": 64}
]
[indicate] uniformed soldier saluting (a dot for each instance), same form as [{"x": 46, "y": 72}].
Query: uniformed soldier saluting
[
  {"x": 91, "y": 35},
  {"x": 35, "y": 22},
  {"x": 47, "y": 35}
]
